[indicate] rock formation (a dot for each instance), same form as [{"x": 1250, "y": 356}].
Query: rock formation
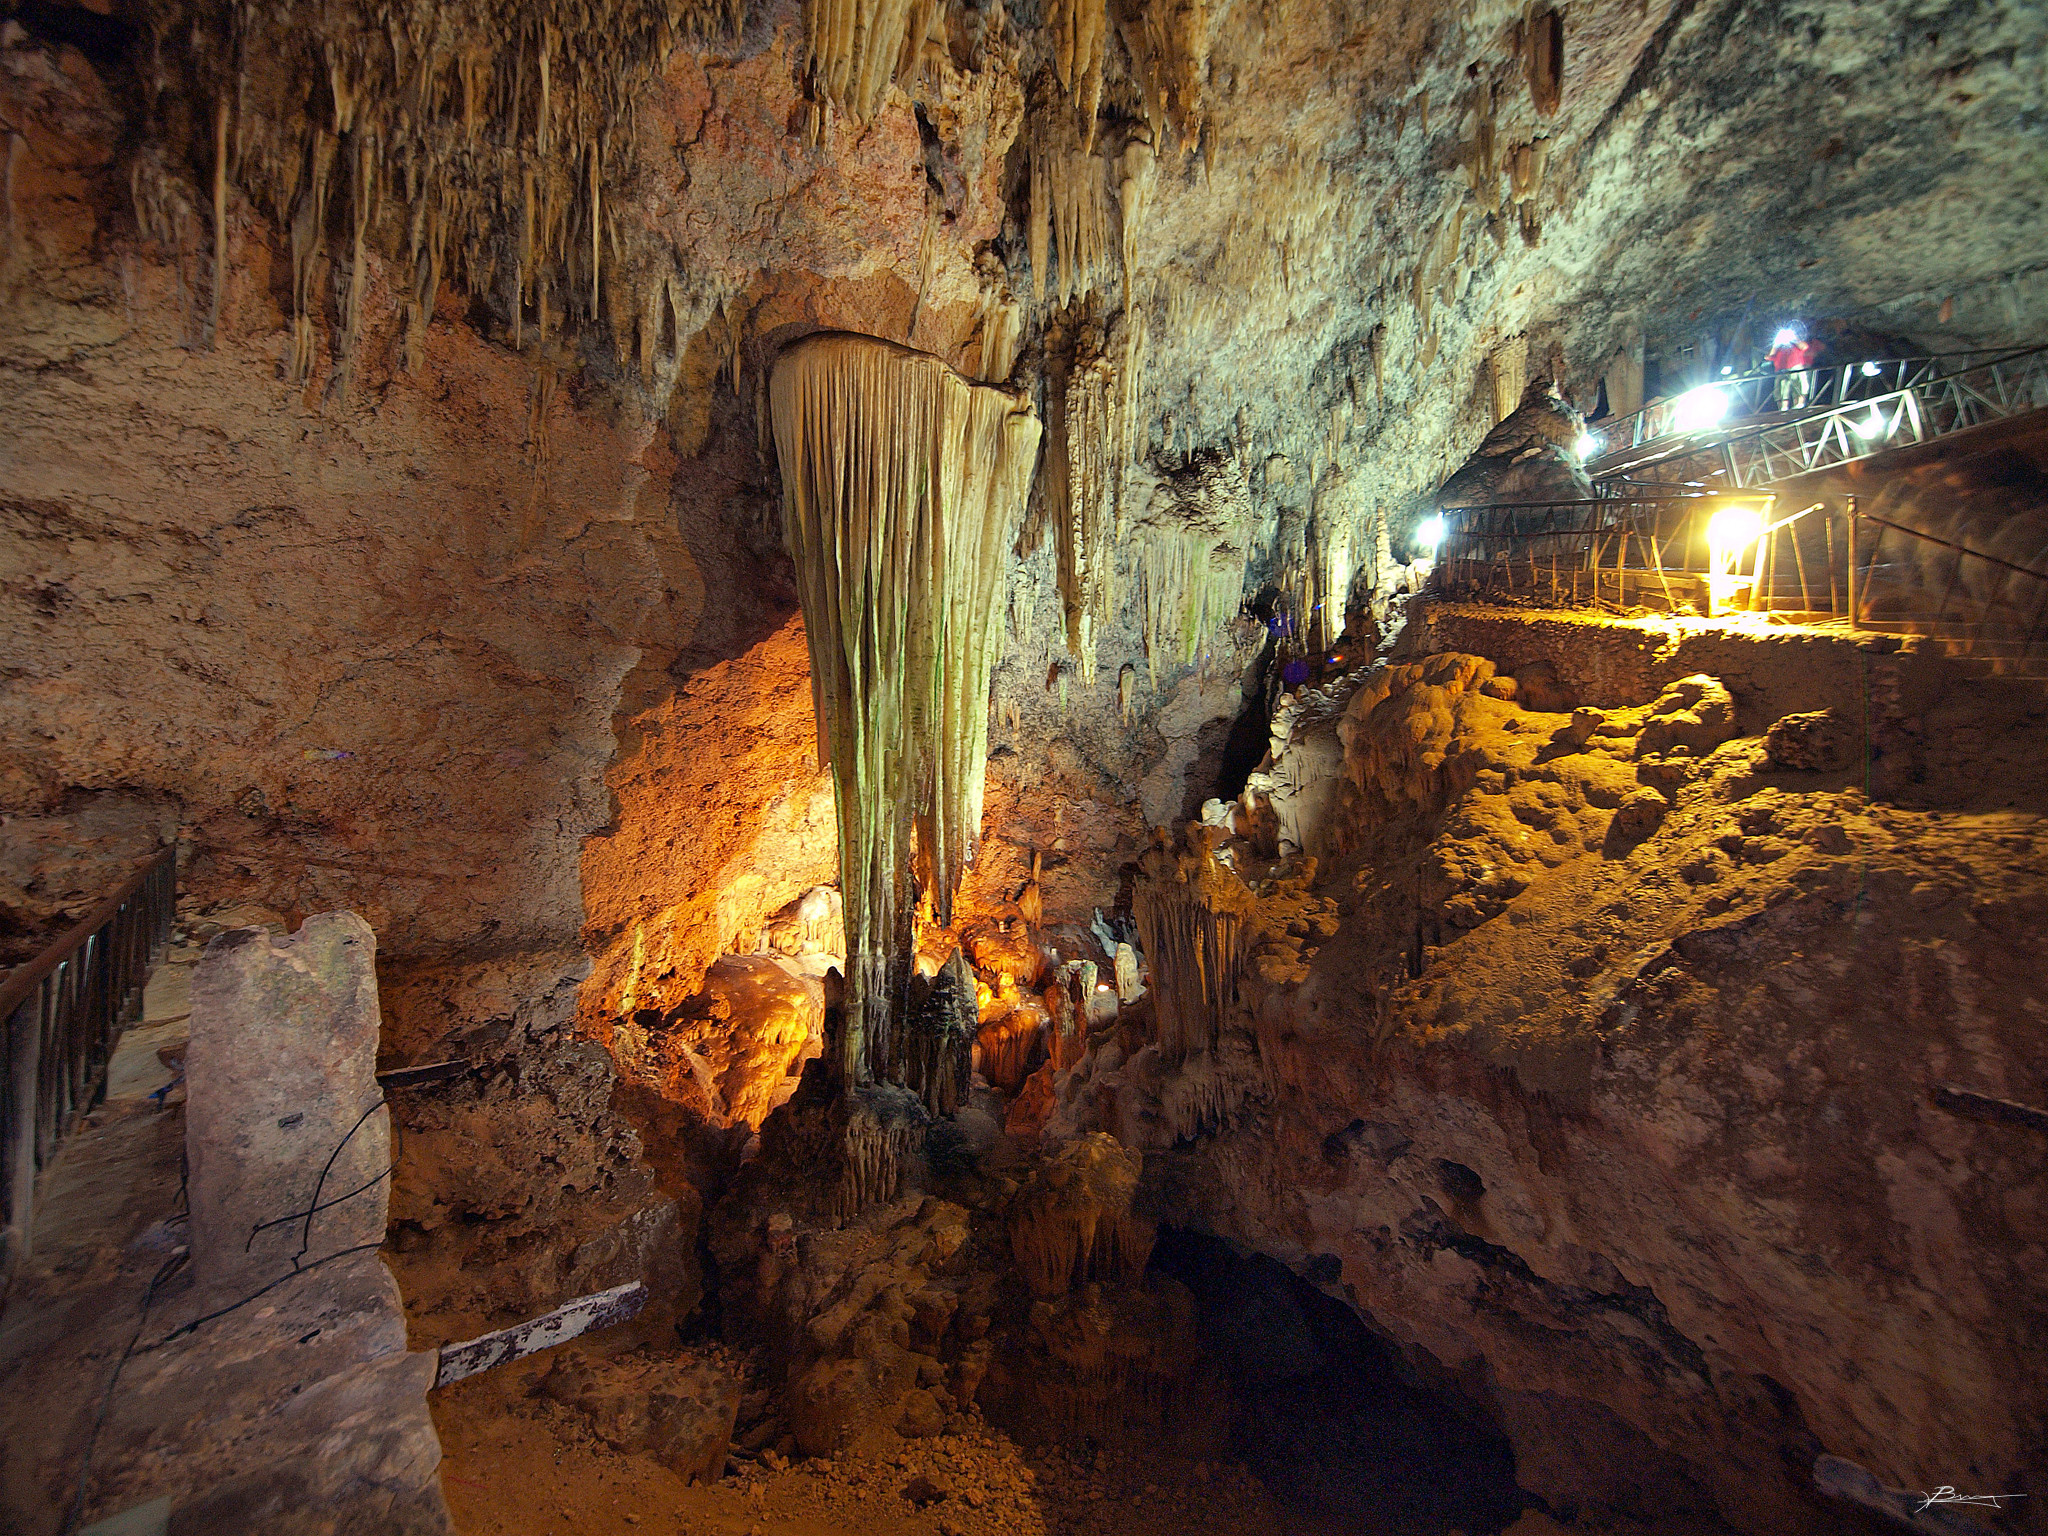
[{"x": 566, "y": 484}]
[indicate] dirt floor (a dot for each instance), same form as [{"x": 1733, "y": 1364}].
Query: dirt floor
[{"x": 522, "y": 1465}]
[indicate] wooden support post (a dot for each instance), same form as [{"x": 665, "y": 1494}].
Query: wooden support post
[
  {"x": 1828, "y": 531},
  {"x": 1852, "y": 562},
  {"x": 1799, "y": 559}
]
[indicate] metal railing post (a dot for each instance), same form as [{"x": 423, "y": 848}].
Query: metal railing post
[{"x": 61, "y": 1015}]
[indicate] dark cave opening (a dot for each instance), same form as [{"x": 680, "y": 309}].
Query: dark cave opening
[
  {"x": 1250, "y": 732},
  {"x": 1327, "y": 1413}
]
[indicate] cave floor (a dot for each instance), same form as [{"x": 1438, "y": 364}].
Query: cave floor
[{"x": 516, "y": 1464}]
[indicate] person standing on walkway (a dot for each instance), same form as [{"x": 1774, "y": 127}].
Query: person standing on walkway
[{"x": 1791, "y": 358}]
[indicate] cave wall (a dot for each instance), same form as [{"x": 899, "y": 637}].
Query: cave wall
[{"x": 499, "y": 649}]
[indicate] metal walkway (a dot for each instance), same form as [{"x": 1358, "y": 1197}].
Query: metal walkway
[{"x": 1923, "y": 403}]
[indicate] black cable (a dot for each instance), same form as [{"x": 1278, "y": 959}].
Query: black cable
[
  {"x": 185, "y": 1328},
  {"x": 169, "y": 1267},
  {"x": 318, "y": 1205}
]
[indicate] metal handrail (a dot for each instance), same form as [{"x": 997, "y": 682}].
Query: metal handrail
[
  {"x": 1861, "y": 583},
  {"x": 1762, "y": 452},
  {"x": 1752, "y": 389},
  {"x": 1793, "y": 560},
  {"x": 61, "y": 1014},
  {"x": 1482, "y": 544}
]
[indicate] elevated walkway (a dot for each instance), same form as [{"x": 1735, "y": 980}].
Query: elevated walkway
[
  {"x": 1921, "y": 399},
  {"x": 1914, "y": 512}
]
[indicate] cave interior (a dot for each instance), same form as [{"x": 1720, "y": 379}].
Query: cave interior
[{"x": 1145, "y": 766}]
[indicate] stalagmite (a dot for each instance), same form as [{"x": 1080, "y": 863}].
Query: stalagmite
[
  {"x": 935, "y": 1039},
  {"x": 1128, "y": 987},
  {"x": 1191, "y": 914},
  {"x": 1126, "y": 692},
  {"x": 1013, "y": 1043},
  {"x": 903, "y": 490},
  {"x": 880, "y": 1142},
  {"x": 220, "y": 218}
]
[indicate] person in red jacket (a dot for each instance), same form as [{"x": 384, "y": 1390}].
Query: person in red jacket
[{"x": 1792, "y": 355}]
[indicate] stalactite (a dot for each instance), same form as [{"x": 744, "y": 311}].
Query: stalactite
[
  {"x": 1073, "y": 1222},
  {"x": 859, "y": 48},
  {"x": 1189, "y": 540},
  {"x": 1168, "y": 41},
  {"x": 1135, "y": 173},
  {"x": 1086, "y": 527},
  {"x": 491, "y": 131},
  {"x": 1191, "y": 914},
  {"x": 903, "y": 488},
  {"x": 1069, "y": 206},
  {"x": 1546, "y": 58},
  {"x": 1078, "y": 29}
]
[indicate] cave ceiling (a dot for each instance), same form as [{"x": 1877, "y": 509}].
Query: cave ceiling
[{"x": 1302, "y": 229}]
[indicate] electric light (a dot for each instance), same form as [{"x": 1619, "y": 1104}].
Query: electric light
[
  {"x": 1871, "y": 370},
  {"x": 1698, "y": 409},
  {"x": 1871, "y": 425},
  {"x": 1730, "y": 532},
  {"x": 1588, "y": 446},
  {"x": 1785, "y": 338},
  {"x": 1428, "y": 536}
]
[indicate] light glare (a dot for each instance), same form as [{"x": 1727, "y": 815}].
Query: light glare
[
  {"x": 1589, "y": 445},
  {"x": 1428, "y": 536},
  {"x": 1700, "y": 408}
]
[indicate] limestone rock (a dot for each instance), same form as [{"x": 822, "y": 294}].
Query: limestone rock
[
  {"x": 1530, "y": 456},
  {"x": 1820, "y": 742},
  {"x": 837, "y": 1399},
  {"x": 1695, "y": 712},
  {"x": 678, "y": 1409},
  {"x": 1638, "y": 815},
  {"x": 286, "y": 1136}
]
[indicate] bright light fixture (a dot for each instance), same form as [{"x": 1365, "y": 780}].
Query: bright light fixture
[
  {"x": 1871, "y": 370},
  {"x": 1730, "y": 532},
  {"x": 1726, "y": 369},
  {"x": 1588, "y": 445},
  {"x": 1698, "y": 409},
  {"x": 1786, "y": 338},
  {"x": 1871, "y": 425},
  {"x": 1428, "y": 536}
]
